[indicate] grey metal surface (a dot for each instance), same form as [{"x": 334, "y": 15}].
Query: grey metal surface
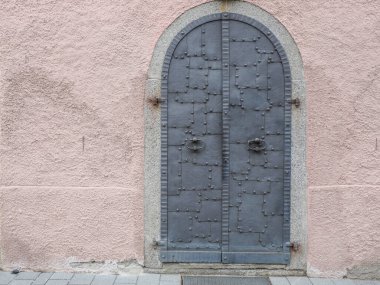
[
  {"x": 225, "y": 164},
  {"x": 223, "y": 280},
  {"x": 192, "y": 146}
]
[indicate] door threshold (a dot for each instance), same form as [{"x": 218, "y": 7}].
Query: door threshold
[{"x": 213, "y": 269}]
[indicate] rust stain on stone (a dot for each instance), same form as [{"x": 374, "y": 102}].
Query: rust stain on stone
[{"x": 224, "y": 6}]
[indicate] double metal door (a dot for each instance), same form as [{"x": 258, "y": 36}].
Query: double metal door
[{"x": 225, "y": 162}]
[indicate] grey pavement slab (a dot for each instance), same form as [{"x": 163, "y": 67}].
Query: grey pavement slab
[
  {"x": 42, "y": 278},
  {"x": 27, "y": 275},
  {"x": 224, "y": 280},
  {"x": 126, "y": 279},
  {"x": 104, "y": 280},
  {"x": 321, "y": 281},
  {"x": 170, "y": 279},
  {"x": 343, "y": 282},
  {"x": 57, "y": 282},
  {"x": 21, "y": 282},
  {"x": 299, "y": 280},
  {"x": 6, "y": 277},
  {"x": 148, "y": 279},
  {"x": 62, "y": 276},
  {"x": 82, "y": 279},
  {"x": 279, "y": 281}
]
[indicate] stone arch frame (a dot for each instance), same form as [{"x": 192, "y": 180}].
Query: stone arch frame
[{"x": 152, "y": 153}]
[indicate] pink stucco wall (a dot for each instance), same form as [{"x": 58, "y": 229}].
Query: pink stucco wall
[{"x": 72, "y": 78}]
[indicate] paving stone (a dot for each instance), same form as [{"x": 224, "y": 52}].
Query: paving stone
[
  {"x": 224, "y": 280},
  {"x": 104, "y": 280},
  {"x": 321, "y": 281},
  {"x": 57, "y": 282},
  {"x": 42, "y": 278},
  {"x": 62, "y": 276},
  {"x": 299, "y": 281},
  {"x": 6, "y": 277},
  {"x": 170, "y": 279},
  {"x": 343, "y": 281},
  {"x": 21, "y": 282},
  {"x": 82, "y": 279},
  {"x": 148, "y": 279},
  {"x": 279, "y": 281},
  {"x": 27, "y": 275},
  {"x": 126, "y": 279}
]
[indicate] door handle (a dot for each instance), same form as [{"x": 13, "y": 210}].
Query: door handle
[
  {"x": 256, "y": 145},
  {"x": 195, "y": 144}
]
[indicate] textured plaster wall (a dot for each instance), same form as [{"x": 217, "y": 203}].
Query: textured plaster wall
[{"x": 72, "y": 78}]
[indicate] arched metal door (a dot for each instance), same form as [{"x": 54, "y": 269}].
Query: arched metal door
[{"x": 225, "y": 144}]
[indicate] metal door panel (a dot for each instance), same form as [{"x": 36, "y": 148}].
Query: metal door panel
[
  {"x": 180, "y": 222},
  {"x": 225, "y": 144},
  {"x": 272, "y": 237},
  {"x": 211, "y": 211},
  {"x": 251, "y": 217},
  {"x": 180, "y": 50},
  {"x": 194, "y": 177},
  {"x": 181, "y": 117},
  {"x": 274, "y": 142},
  {"x": 208, "y": 256},
  {"x": 245, "y": 125},
  {"x": 250, "y": 187},
  {"x": 273, "y": 204},
  {"x": 242, "y": 241},
  {"x": 195, "y": 96},
  {"x": 256, "y": 257},
  {"x": 275, "y": 159},
  {"x": 214, "y": 123},
  {"x": 199, "y": 121},
  {"x": 214, "y": 82},
  {"x": 216, "y": 177},
  {"x": 262, "y": 71},
  {"x": 198, "y": 63},
  {"x": 254, "y": 99},
  {"x": 179, "y": 66},
  {"x": 245, "y": 76},
  {"x": 212, "y": 44},
  {"x": 177, "y": 136},
  {"x": 194, "y": 42},
  {"x": 184, "y": 201},
  {"x": 198, "y": 78},
  {"x": 274, "y": 121},
  {"x": 277, "y": 83},
  {"x": 239, "y": 164},
  {"x": 261, "y": 173},
  {"x": 253, "y": 161},
  {"x": 214, "y": 103},
  {"x": 243, "y": 53}
]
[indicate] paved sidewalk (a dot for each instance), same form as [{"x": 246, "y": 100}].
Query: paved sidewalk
[{"x": 60, "y": 278}]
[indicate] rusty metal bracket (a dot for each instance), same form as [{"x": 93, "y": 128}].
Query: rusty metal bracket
[
  {"x": 294, "y": 246},
  {"x": 157, "y": 243},
  {"x": 296, "y": 102},
  {"x": 155, "y": 101}
]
